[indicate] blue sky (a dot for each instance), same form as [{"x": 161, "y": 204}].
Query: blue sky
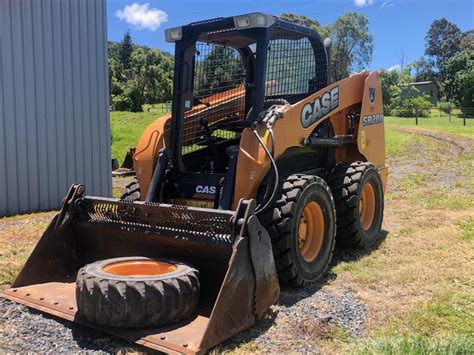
[{"x": 398, "y": 26}]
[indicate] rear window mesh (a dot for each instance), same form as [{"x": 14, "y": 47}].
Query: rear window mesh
[{"x": 291, "y": 66}]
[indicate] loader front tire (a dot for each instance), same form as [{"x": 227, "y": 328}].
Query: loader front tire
[
  {"x": 136, "y": 292},
  {"x": 302, "y": 227},
  {"x": 358, "y": 192},
  {"x": 132, "y": 191}
]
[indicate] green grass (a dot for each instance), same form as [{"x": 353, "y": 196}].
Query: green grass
[
  {"x": 126, "y": 128},
  {"x": 444, "y": 325},
  {"x": 440, "y": 200},
  {"x": 411, "y": 181},
  {"x": 399, "y": 143},
  {"x": 416, "y": 345},
  {"x": 467, "y": 228},
  {"x": 435, "y": 123}
]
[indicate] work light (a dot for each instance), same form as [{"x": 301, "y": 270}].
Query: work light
[
  {"x": 173, "y": 34},
  {"x": 253, "y": 20}
]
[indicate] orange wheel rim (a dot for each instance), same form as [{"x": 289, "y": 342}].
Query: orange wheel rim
[
  {"x": 311, "y": 231},
  {"x": 367, "y": 206},
  {"x": 139, "y": 268}
]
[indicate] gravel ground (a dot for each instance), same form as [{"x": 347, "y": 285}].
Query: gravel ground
[
  {"x": 24, "y": 330},
  {"x": 296, "y": 323},
  {"x": 302, "y": 317}
]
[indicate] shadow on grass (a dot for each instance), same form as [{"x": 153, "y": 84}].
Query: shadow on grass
[{"x": 349, "y": 253}]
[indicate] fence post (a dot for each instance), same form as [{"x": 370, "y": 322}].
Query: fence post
[
  {"x": 416, "y": 116},
  {"x": 464, "y": 118}
]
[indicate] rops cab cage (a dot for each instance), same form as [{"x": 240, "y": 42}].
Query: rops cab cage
[
  {"x": 228, "y": 71},
  {"x": 244, "y": 62}
]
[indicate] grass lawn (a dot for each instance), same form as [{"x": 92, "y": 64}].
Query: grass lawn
[
  {"x": 126, "y": 128},
  {"x": 435, "y": 123}
]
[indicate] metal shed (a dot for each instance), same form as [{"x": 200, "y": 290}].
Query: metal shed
[{"x": 54, "y": 116}]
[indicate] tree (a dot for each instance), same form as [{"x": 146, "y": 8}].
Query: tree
[
  {"x": 467, "y": 42},
  {"x": 352, "y": 44},
  {"x": 300, "y": 20},
  {"x": 459, "y": 82},
  {"x": 138, "y": 75},
  {"x": 413, "y": 106},
  {"x": 392, "y": 83},
  {"x": 324, "y": 31},
  {"x": 423, "y": 69},
  {"x": 126, "y": 49},
  {"x": 442, "y": 42}
]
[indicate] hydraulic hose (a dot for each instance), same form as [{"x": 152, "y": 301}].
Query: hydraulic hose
[
  {"x": 269, "y": 120},
  {"x": 259, "y": 208}
]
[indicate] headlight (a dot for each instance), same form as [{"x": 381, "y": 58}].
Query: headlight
[
  {"x": 261, "y": 20},
  {"x": 173, "y": 34},
  {"x": 242, "y": 21},
  {"x": 253, "y": 20}
]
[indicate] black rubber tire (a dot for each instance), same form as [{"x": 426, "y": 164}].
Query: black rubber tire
[
  {"x": 132, "y": 191},
  {"x": 282, "y": 222},
  {"x": 346, "y": 181},
  {"x": 121, "y": 301}
]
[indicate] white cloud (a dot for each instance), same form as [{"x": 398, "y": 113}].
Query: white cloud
[
  {"x": 387, "y": 3},
  {"x": 141, "y": 16},
  {"x": 394, "y": 67},
  {"x": 362, "y": 3}
]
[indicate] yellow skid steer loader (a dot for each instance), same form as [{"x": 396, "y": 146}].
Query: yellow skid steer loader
[{"x": 262, "y": 165}]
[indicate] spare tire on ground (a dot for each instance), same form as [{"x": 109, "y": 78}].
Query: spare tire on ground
[{"x": 136, "y": 292}]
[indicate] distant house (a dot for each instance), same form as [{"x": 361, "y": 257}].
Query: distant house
[{"x": 428, "y": 88}]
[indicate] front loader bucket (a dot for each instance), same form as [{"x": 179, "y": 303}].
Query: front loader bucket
[{"x": 231, "y": 250}]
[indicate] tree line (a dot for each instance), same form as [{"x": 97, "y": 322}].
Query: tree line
[
  {"x": 138, "y": 75},
  {"x": 448, "y": 61}
]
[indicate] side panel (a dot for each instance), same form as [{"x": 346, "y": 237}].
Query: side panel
[
  {"x": 371, "y": 137},
  {"x": 146, "y": 153},
  {"x": 298, "y": 123}
]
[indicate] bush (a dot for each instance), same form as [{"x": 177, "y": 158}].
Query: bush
[
  {"x": 446, "y": 107},
  {"x": 412, "y": 107},
  {"x": 129, "y": 100},
  {"x": 460, "y": 81}
]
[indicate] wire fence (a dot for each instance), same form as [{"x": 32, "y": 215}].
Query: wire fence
[
  {"x": 160, "y": 108},
  {"x": 451, "y": 114}
]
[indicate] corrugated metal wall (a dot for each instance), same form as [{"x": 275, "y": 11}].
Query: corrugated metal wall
[{"x": 54, "y": 116}]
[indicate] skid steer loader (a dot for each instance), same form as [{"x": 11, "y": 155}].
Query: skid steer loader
[{"x": 261, "y": 165}]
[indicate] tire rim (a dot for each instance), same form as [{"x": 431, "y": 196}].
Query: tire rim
[
  {"x": 311, "y": 231},
  {"x": 367, "y": 206},
  {"x": 137, "y": 268}
]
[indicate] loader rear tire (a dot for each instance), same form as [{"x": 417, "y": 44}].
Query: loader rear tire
[
  {"x": 136, "y": 292},
  {"x": 358, "y": 192},
  {"x": 132, "y": 191},
  {"x": 302, "y": 198}
]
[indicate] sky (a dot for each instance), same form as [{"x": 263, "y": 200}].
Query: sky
[{"x": 398, "y": 26}]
